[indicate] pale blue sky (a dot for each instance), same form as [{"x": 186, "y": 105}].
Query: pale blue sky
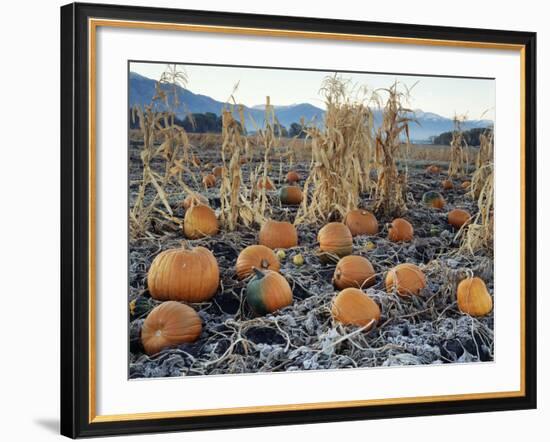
[{"x": 444, "y": 96}]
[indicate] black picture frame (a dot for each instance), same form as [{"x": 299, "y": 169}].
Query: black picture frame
[{"x": 75, "y": 219}]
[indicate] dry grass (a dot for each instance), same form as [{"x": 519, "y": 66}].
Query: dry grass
[{"x": 341, "y": 153}]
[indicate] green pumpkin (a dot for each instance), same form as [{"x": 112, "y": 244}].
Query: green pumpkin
[
  {"x": 268, "y": 291},
  {"x": 433, "y": 199},
  {"x": 140, "y": 307},
  {"x": 290, "y": 195}
]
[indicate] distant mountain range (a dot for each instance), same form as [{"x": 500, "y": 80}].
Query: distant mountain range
[{"x": 142, "y": 89}]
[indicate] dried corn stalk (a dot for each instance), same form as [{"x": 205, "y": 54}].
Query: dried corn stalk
[
  {"x": 341, "y": 153},
  {"x": 459, "y": 153},
  {"x": 173, "y": 153},
  {"x": 391, "y": 184}
]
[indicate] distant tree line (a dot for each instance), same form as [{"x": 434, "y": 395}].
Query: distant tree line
[
  {"x": 470, "y": 136},
  {"x": 211, "y": 123}
]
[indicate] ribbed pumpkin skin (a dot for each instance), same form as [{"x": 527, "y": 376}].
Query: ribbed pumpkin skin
[
  {"x": 433, "y": 169},
  {"x": 473, "y": 298},
  {"x": 200, "y": 221},
  {"x": 193, "y": 200},
  {"x": 458, "y": 217},
  {"x": 290, "y": 195},
  {"x": 258, "y": 256},
  {"x": 268, "y": 291},
  {"x": 278, "y": 235},
  {"x": 209, "y": 181},
  {"x": 292, "y": 177},
  {"x": 447, "y": 184},
  {"x": 353, "y": 271},
  {"x": 335, "y": 238},
  {"x": 400, "y": 230},
  {"x": 361, "y": 222},
  {"x": 184, "y": 275},
  {"x": 353, "y": 307},
  {"x": 407, "y": 279},
  {"x": 170, "y": 324},
  {"x": 433, "y": 199}
]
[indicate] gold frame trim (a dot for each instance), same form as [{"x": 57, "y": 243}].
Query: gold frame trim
[{"x": 93, "y": 24}]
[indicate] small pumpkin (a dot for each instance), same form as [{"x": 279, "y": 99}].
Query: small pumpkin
[
  {"x": 218, "y": 171},
  {"x": 268, "y": 291},
  {"x": 335, "y": 238},
  {"x": 190, "y": 275},
  {"x": 465, "y": 184},
  {"x": 278, "y": 235},
  {"x": 209, "y": 181},
  {"x": 353, "y": 271},
  {"x": 473, "y": 298},
  {"x": 400, "y": 230},
  {"x": 361, "y": 222},
  {"x": 170, "y": 324},
  {"x": 292, "y": 177},
  {"x": 265, "y": 182},
  {"x": 140, "y": 306},
  {"x": 353, "y": 307},
  {"x": 433, "y": 169},
  {"x": 458, "y": 217},
  {"x": 447, "y": 185},
  {"x": 193, "y": 199},
  {"x": 290, "y": 195},
  {"x": 298, "y": 260},
  {"x": 200, "y": 221},
  {"x": 258, "y": 256},
  {"x": 433, "y": 199},
  {"x": 406, "y": 279}
]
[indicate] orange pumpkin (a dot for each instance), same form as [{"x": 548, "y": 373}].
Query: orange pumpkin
[
  {"x": 458, "y": 217},
  {"x": 447, "y": 185},
  {"x": 406, "y": 279},
  {"x": 209, "y": 181},
  {"x": 184, "y": 275},
  {"x": 169, "y": 324},
  {"x": 278, "y": 235},
  {"x": 473, "y": 298},
  {"x": 218, "y": 171},
  {"x": 268, "y": 291},
  {"x": 465, "y": 185},
  {"x": 290, "y": 195},
  {"x": 265, "y": 182},
  {"x": 361, "y": 222},
  {"x": 292, "y": 177},
  {"x": 433, "y": 199},
  {"x": 433, "y": 169},
  {"x": 335, "y": 238},
  {"x": 200, "y": 221},
  {"x": 258, "y": 256},
  {"x": 193, "y": 199},
  {"x": 353, "y": 307},
  {"x": 400, "y": 230},
  {"x": 353, "y": 271}
]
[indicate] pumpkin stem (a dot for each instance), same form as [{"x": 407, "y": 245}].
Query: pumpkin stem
[
  {"x": 258, "y": 272},
  {"x": 265, "y": 264}
]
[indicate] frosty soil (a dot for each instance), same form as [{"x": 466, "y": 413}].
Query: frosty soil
[{"x": 427, "y": 329}]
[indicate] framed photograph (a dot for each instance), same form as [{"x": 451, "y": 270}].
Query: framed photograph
[{"x": 274, "y": 220}]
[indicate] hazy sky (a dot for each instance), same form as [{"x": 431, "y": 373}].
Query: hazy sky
[{"x": 444, "y": 96}]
